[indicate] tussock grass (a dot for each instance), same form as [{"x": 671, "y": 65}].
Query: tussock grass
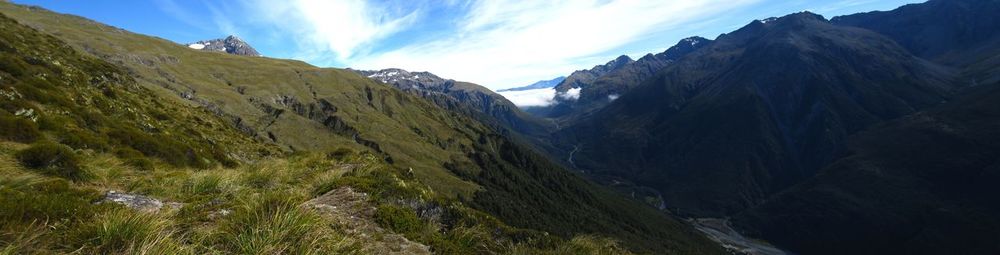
[
  {"x": 123, "y": 231},
  {"x": 273, "y": 223},
  {"x": 582, "y": 244}
]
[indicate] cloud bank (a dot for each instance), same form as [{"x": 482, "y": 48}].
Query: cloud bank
[{"x": 531, "y": 98}]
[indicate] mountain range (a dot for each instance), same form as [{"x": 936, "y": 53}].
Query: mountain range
[
  {"x": 871, "y": 133},
  {"x": 790, "y": 122},
  {"x": 602, "y": 84}
]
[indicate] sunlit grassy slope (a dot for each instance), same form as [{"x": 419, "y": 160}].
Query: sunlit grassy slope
[{"x": 158, "y": 111}]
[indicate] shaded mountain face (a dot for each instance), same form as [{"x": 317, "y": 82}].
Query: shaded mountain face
[
  {"x": 299, "y": 107},
  {"x": 754, "y": 112},
  {"x": 470, "y": 99},
  {"x": 923, "y": 184},
  {"x": 937, "y": 29},
  {"x": 231, "y": 44},
  {"x": 960, "y": 33},
  {"x": 538, "y": 85},
  {"x": 604, "y": 84},
  {"x": 582, "y": 78}
]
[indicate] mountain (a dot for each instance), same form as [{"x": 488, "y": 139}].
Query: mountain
[
  {"x": 475, "y": 101},
  {"x": 754, "y": 112},
  {"x": 922, "y": 184},
  {"x": 581, "y": 78},
  {"x": 434, "y": 176},
  {"x": 960, "y": 33},
  {"x": 603, "y": 84},
  {"x": 538, "y": 85},
  {"x": 231, "y": 44}
]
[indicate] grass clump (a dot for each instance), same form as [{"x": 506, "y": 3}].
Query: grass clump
[
  {"x": 273, "y": 223},
  {"x": 123, "y": 231},
  {"x": 52, "y": 159}
]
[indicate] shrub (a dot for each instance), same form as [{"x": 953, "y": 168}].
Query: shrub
[
  {"x": 52, "y": 159},
  {"x": 82, "y": 140},
  {"x": 27, "y": 198},
  {"x": 140, "y": 163},
  {"x": 169, "y": 150},
  {"x": 400, "y": 220},
  {"x": 340, "y": 153},
  {"x": 18, "y": 129}
]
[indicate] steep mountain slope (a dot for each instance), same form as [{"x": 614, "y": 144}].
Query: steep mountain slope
[
  {"x": 603, "y": 84},
  {"x": 754, "y": 112},
  {"x": 938, "y": 29},
  {"x": 960, "y": 33},
  {"x": 112, "y": 168},
  {"x": 231, "y": 44},
  {"x": 582, "y": 78},
  {"x": 304, "y": 108},
  {"x": 538, "y": 85},
  {"x": 473, "y": 100},
  {"x": 923, "y": 184}
]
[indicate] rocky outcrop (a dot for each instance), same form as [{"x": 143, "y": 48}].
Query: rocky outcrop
[
  {"x": 353, "y": 211},
  {"x": 231, "y": 44},
  {"x": 138, "y": 202}
]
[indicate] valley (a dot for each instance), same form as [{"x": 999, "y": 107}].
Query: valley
[{"x": 869, "y": 133}]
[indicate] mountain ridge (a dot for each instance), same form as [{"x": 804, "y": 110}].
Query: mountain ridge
[
  {"x": 757, "y": 69},
  {"x": 231, "y": 44}
]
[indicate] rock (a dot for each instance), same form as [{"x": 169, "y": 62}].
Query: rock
[
  {"x": 138, "y": 202},
  {"x": 353, "y": 211}
]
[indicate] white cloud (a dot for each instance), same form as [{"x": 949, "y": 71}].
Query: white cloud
[
  {"x": 571, "y": 94},
  {"x": 344, "y": 28},
  {"x": 613, "y": 97},
  {"x": 529, "y": 98},
  {"x": 496, "y": 43}
]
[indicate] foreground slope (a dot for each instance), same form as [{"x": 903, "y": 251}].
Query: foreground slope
[
  {"x": 300, "y": 107},
  {"x": 923, "y": 184},
  {"x": 756, "y": 111},
  {"x": 92, "y": 163}
]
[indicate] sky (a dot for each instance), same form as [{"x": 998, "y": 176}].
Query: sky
[{"x": 497, "y": 44}]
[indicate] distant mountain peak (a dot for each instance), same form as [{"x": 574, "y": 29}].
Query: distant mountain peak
[
  {"x": 231, "y": 44},
  {"x": 619, "y": 62},
  {"x": 694, "y": 40},
  {"x": 393, "y": 75},
  {"x": 538, "y": 85}
]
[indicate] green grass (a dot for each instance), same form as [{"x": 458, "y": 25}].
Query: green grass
[
  {"x": 273, "y": 223},
  {"x": 134, "y": 134},
  {"x": 124, "y": 231}
]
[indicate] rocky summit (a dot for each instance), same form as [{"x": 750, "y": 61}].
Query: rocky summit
[{"x": 231, "y": 44}]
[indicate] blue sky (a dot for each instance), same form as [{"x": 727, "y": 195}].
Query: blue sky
[{"x": 498, "y": 44}]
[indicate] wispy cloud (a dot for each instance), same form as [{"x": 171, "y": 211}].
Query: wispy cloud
[
  {"x": 342, "y": 30},
  {"x": 495, "y": 43}
]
